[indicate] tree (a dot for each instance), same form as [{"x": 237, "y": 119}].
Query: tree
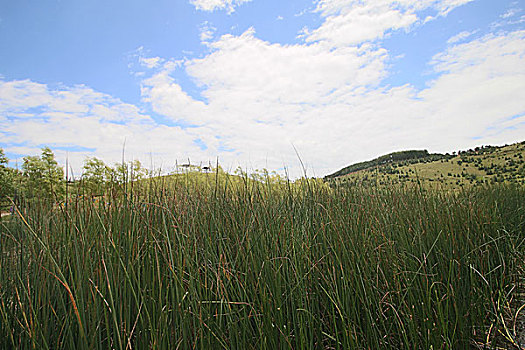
[
  {"x": 96, "y": 174},
  {"x": 43, "y": 176},
  {"x": 119, "y": 173},
  {"x": 125, "y": 172},
  {"x": 4, "y": 180},
  {"x": 7, "y": 177},
  {"x": 139, "y": 172}
]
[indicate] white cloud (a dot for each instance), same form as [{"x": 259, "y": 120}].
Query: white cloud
[
  {"x": 351, "y": 22},
  {"x": 75, "y": 118},
  {"x": 510, "y": 13},
  {"x": 212, "y": 5},
  {"x": 171, "y": 100},
  {"x": 510, "y": 18},
  {"x": 460, "y": 37},
  {"x": 482, "y": 84},
  {"x": 491, "y": 50},
  {"x": 323, "y": 96},
  {"x": 150, "y": 62},
  {"x": 445, "y": 6},
  {"x": 262, "y": 98},
  {"x": 22, "y": 95},
  {"x": 337, "y": 7},
  {"x": 287, "y": 73},
  {"x": 359, "y": 24},
  {"x": 207, "y": 31}
]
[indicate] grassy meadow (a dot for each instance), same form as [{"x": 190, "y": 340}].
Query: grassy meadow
[
  {"x": 490, "y": 165},
  {"x": 176, "y": 263}
]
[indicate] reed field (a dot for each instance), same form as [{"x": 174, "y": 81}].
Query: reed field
[{"x": 182, "y": 264}]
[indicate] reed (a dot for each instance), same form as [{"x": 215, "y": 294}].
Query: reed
[{"x": 251, "y": 265}]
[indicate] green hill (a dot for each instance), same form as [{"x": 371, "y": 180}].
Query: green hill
[
  {"x": 482, "y": 165},
  {"x": 395, "y": 157}
]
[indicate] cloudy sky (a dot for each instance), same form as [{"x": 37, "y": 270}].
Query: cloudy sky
[{"x": 248, "y": 81}]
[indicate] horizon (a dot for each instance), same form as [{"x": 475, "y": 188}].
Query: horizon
[{"x": 249, "y": 81}]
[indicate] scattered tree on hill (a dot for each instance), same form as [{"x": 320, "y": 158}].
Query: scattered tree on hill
[{"x": 412, "y": 156}]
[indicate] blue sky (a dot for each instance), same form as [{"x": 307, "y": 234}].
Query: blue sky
[{"x": 249, "y": 80}]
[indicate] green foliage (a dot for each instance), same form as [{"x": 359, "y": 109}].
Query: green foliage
[
  {"x": 138, "y": 172},
  {"x": 44, "y": 178},
  {"x": 3, "y": 159},
  {"x": 7, "y": 179},
  {"x": 126, "y": 172},
  {"x": 96, "y": 175},
  {"x": 95, "y": 170},
  {"x": 262, "y": 175}
]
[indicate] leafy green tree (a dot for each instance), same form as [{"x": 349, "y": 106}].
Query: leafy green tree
[
  {"x": 4, "y": 174},
  {"x": 96, "y": 174},
  {"x": 120, "y": 173},
  {"x": 138, "y": 171},
  {"x": 43, "y": 176},
  {"x": 125, "y": 172},
  {"x": 3, "y": 159},
  {"x": 7, "y": 179}
]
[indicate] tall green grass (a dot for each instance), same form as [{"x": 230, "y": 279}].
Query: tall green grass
[{"x": 180, "y": 264}]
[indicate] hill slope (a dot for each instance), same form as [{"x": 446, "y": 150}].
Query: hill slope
[
  {"x": 482, "y": 165},
  {"x": 395, "y": 157}
]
